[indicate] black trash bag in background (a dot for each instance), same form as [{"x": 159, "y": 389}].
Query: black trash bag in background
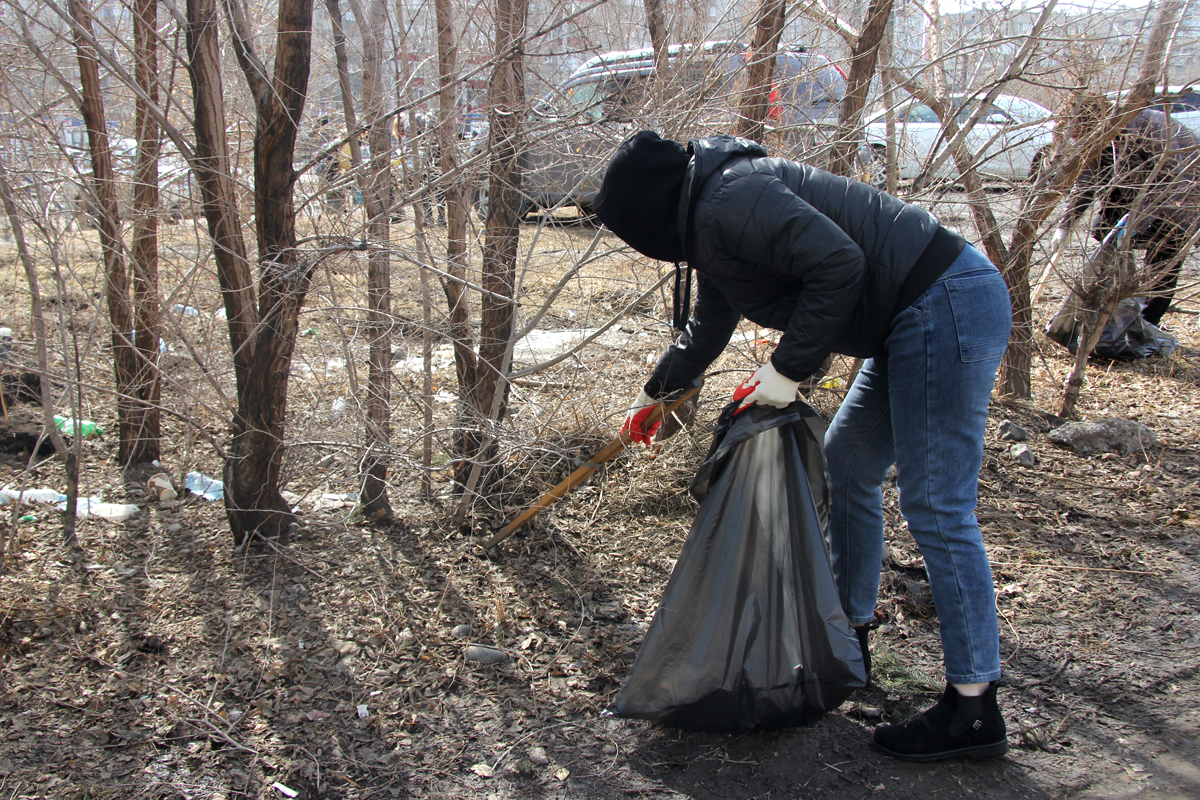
[
  {"x": 1126, "y": 337},
  {"x": 750, "y": 631}
]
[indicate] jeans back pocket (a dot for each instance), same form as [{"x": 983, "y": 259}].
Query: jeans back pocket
[{"x": 982, "y": 315}]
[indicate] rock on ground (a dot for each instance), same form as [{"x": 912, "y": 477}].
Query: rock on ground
[{"x": 1121, "y": 436}]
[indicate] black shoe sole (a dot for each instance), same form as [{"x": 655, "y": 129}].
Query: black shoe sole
[{"x": 994, "y": 750}]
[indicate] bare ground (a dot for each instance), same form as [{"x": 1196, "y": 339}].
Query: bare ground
[{"x": 163, "y": 664}]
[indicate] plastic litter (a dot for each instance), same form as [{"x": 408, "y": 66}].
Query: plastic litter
[
  {"x": 338, "y": 409},
  {"x": 83, "y": 427},
  {"x": 95, "y": 507},
  {"x": 1126, "y": 337},
  {"x": 750, "y": 631},
  {"x": 206, "y": 487},
  {"x": 187, "y": 311},
  {"x": 30, "y": 496}
]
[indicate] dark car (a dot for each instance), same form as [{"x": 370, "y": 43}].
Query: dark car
[{"x": 572, "y": 131}]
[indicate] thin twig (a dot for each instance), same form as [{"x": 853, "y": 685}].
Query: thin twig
[{"x": 1075, "y": 569}]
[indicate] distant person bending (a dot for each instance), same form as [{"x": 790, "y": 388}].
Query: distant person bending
[
  {"x": 840, "y": 266},
  {"x": 1154, "y": 162}
]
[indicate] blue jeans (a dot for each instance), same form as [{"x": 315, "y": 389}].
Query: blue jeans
[{"x": 923, "y": 406}]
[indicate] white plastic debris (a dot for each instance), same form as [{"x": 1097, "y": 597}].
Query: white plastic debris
[
  {"x": 187, "y": 311},
  {"x": 95, "y": 507},
  {"x": 203, "y": 485},
  {"x": 30, "y": 496},
  {"x": 363, "y": 713},
  {"x": 284, "y": 790}
]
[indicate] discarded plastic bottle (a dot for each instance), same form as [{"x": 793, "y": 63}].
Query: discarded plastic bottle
[
  {"x": 82, "y": 427},
  {"x": 338, "y": 409},
  {"x": 208, "y": 488},
  {"x": 187, "y": 311}
]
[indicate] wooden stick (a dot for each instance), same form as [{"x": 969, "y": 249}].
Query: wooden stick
[{"x": 582, "y": 472}]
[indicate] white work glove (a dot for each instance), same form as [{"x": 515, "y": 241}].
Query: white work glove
[
  {"x": 635, "y": 419},
  {"x": 1060, "y": 238},
  {"x": 767, "y": 387}
]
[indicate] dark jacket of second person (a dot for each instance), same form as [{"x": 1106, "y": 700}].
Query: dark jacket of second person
[
  {"x": 1154, "y": 162},
  {"x": 827, "y": 260}
]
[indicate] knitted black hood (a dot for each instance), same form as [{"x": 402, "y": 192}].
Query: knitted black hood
[{"x": 639, "y": 199}]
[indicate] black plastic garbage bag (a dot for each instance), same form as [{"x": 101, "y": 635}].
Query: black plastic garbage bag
[
  {"x": 750, "y": 631},
  {"x": 1126, "y": 337}
]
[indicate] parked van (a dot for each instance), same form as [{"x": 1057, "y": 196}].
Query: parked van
[{"x": 573, "y": 130}]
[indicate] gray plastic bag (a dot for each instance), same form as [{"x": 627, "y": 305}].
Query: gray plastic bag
[{"x": 750, "y": 632}]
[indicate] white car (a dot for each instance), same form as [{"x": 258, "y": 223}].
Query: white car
[
  {"x": 1011, "y": 139},
  {"x": 1181, "y": 103}
]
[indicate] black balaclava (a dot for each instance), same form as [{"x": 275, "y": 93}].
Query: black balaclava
[{"x": 639, "y": 199}]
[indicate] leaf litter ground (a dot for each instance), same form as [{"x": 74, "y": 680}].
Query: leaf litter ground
[{"x": 163, "y": 664}]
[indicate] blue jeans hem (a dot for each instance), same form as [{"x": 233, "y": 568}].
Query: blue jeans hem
[{"x": 983, "y": 677}]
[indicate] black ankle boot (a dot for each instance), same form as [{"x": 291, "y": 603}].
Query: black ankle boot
[
  {"x": 956, "y": 726},
  {"x": 862, "y": 631}
]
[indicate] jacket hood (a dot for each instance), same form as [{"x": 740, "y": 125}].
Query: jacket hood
[
  {"x": 707, "y": 156},
  {"x": 639, "y": 198}
]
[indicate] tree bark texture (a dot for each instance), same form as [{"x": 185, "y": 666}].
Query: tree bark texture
[
  {"x": 342, "y": 60},
  {"x": 756, "y": 99},
  {"x": 378, "y": 198},
  {"x": 656, "y": 26},
  {"x": 456, "y": 202},
  {"x": 146, "y": 308},
  {"x": 847, "y": 140},
  {"x": 108, "y": 222},
  {"x": 252, "y": 470},
  {"x": 506, "y": 98},
  {"x": 218, "y": 192}
]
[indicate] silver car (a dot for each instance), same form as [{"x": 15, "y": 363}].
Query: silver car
[{"x": 1008, "y": 142}]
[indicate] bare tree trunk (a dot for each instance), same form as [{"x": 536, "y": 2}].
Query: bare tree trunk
[
  {"x": 146, "y": 309},
  {"x": 108, "y": 222},
  {"x": 1103, "y": 294},
  {"x": 38, "y": 323},
  {"x": 756, "y": 99},
  {"x": 377, "y": 197},
  {"x": 252, "y": 469},
  {"x": 891, "y": 168},
  {"x": 455, "y": 188},
  {"x": 1017, "y": 365},
  {"x": 506, "y": 98},
  {"x": 343, "y": 73},
  {"x": 656, "y": 25},
  {"x": 218, "y": 192},
  {"x": 862, "y": 68}
]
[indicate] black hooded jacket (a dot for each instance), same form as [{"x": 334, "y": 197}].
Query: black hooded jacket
[{"x": 825, "y": 259}]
